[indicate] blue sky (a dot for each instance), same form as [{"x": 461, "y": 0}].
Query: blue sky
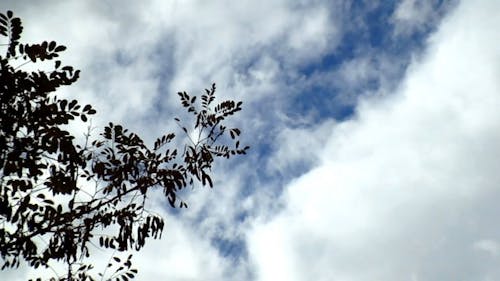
[{"x": 373, "y": 125}]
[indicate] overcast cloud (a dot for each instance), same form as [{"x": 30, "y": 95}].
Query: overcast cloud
[{"x": 374, "y": 131}]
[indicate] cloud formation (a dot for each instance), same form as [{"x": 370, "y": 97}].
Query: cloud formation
[{"x": 407, "y": 189}]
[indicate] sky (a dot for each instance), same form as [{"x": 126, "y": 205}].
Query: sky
[{"x": 373, "y": 125}]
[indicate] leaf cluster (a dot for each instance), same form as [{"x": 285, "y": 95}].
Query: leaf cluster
[
  {"x": 59, "y": 198},
  {"x": 210, "y": 127}
]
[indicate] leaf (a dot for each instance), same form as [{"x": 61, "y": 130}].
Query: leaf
[
  {"x": 60, "y": 48},
  {"x": 63, "y": 104},
  {"x": 72, "y": 104},
  {"x": 206, "y": 178},
  {"x": 52, "y": 45}
]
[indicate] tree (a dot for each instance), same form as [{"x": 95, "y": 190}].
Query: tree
[{"x": 55, "y": 193}]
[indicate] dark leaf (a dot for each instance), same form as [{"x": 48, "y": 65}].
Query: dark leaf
[
  {"x": 52, "y": 45},
  {"x": 60, "y": 48}
]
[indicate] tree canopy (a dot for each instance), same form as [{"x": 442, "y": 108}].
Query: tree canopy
[{"x": 55, "y": 193}]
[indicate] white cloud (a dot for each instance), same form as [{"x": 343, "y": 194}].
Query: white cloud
[
  {"x": 491, "y": 247},
  {"x": 298, "y": 147},
  {"x": 407, "y": 186},
  {"x": 415, "y": 15},
  {"x": 412, "y": 11}
]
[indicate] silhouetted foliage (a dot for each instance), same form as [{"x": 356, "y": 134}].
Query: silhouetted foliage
[{"x": 55, "y": 194}]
